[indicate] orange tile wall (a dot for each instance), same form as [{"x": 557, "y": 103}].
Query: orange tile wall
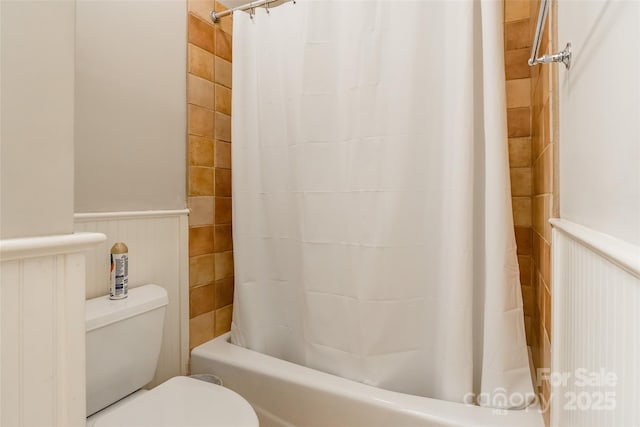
[
  {"x": 532, "y": 103},
  {"x": 209, "y": 172},
  {"x": 544, "y": 146},
  {"x": 517, "y": 72}
]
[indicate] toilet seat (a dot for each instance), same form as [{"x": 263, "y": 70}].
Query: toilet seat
[{"x": 185, "y": 402}]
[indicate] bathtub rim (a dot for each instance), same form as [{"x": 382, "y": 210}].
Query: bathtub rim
[{"x": 220, "y": 349}]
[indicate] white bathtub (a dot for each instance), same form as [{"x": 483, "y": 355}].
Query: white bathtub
[{"x": 284, "y": 394}]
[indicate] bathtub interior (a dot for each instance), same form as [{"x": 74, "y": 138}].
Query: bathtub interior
[{"x": 284, "y": 394}]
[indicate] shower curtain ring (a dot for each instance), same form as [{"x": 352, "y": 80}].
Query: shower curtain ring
[
  {"x": 252, "y": 10},
  {"x": 266, "y": 7}
]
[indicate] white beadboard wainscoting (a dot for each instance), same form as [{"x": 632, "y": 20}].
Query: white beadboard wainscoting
[
  {"x": 42, "y": 334},
  {"x": 595, "y": 328},
  {"x": 158, "y": 253}
]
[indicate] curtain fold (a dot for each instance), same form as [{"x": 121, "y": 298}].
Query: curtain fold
[{"x": 373, "y": 233}]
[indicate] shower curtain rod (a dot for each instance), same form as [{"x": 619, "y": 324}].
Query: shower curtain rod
[
  {"x": 215, "y": 16},
  {"x": 564, "y": 56}
]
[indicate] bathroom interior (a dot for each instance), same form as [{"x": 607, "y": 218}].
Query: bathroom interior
[{"x": 336, "y": 213}]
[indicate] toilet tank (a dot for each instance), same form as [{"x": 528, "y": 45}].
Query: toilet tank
[{"x": 123, "y": 344}]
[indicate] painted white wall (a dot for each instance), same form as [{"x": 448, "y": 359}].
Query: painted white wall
[
  {"x": 42, "y": 330},
  {"x": 36, "y": 142},
  {"x": 596, "y": 327},
  {"x": 158, "y": 254},
  {"x": 600, "y": 116},
  {"x": 130, "y": 149}
]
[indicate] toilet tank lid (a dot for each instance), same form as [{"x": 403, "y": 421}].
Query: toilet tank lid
[{"x": 103, "y": 311}]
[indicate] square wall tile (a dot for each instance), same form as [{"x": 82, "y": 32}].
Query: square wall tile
[
  {"x": 520, "y": 152},
  {"x": 535, "y": 353},
  {"x": 223, "y": 155},
  {"x": 223, "y": 320},
  {"x": 200, "y": 92},
  {"x": 201, "y": 329},
  {"x": 223, "y": 182},
  {"x": 555, "y": 184},
  {"x": 538, "y": 214},
  {"x": 521, "y": 211},
  {"x": 528, "y": 299},
  {"x": 224, "y": 265},
  {"x": 545, "y": 82},
  {"x": 543, "y": 172},
  {"x": 517, "y": 63},
  {"x": 223, "y": 73},
  {"x": 222, "y": 45},
  {"x": 515, "y": 10},
  {"x": 223, "y": 238},
  {"x": 223, "y": 127},
  {"x": 547, "y": 312},
  {"x": 539, "y": 296},
  {"x": 545, "y": 264},
  {"x": 536, "y": 140},
  {"x": 541, "y": 211},
  {"x": 225, "y": 23},
  {"x": 200, "y": 121},
  {"x": 201, "y": 181},
  {"x": 201, "y": 269},
  {"x": 201, "y": 300},
  {"x": 520, "y": 181},
  {"x": 533, "y": 16},
  {"x": 525, "y": 264},
  {"x": 536, "y": 96},
  {"x": 224, "y": 292},
  {"x": 201, "y": 8},
  {"x": 202, "y": 210},
  {"x": 201, "y": 151},
  {"x": 518, "y": 93},
  {"x": 528, "y": 329},
  {"x": 223, "y": 210},
  {"x": 524, "y": 240},
  {"x": 546, "y": 124},
  {"x": 201, "y": 241},
  {"x": 519, "y": 122},
  {"x": 200, "y": 62},
  {"x": 200, "y": 33},
  {"x": 516, "y": 34},
  {"x": 223, "y": 99}
]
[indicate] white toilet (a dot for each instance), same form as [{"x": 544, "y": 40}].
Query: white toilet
[{"x": 123, "y": 345}]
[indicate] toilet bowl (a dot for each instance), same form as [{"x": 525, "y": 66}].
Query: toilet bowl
[
  {"x": 180, "y": 401},
  {"x": 123, "y": 346}
]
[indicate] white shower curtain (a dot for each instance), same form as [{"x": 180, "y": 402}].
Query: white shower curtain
[{"x": 373, "y": 232}]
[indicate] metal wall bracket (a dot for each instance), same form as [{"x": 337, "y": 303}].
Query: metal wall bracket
[{"x": 563, "y": 56}]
